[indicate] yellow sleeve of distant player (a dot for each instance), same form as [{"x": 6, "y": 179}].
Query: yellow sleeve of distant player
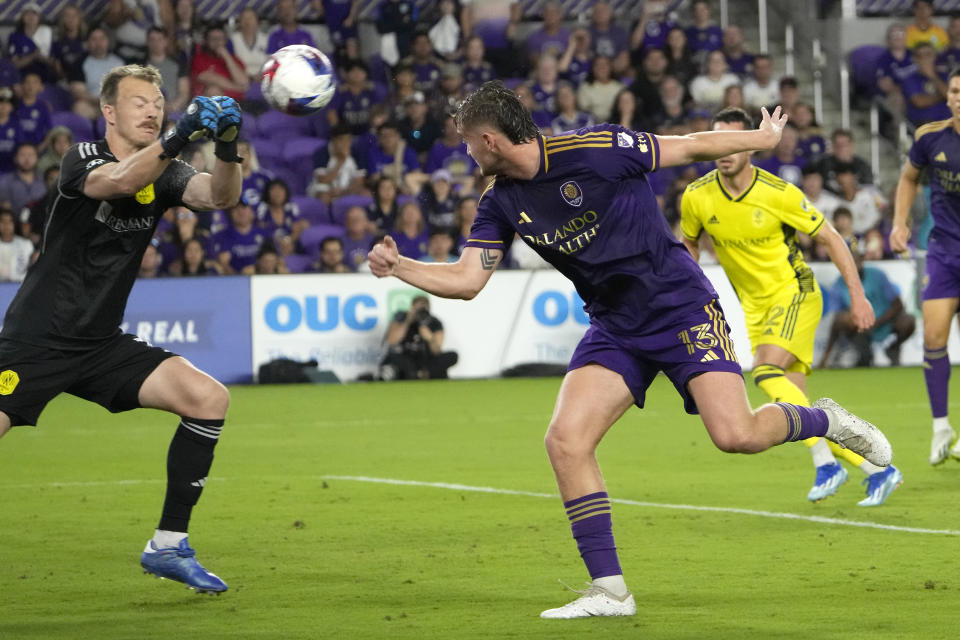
[
  {"x": 690, "y": 223},
  {"x": 798, "y": 212}
]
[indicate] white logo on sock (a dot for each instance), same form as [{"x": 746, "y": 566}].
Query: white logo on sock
[{"x": 199, "y": 483}]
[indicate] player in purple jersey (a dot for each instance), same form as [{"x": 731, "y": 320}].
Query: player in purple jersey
[
  {"x": 582, "y": 202},
  {"x": 936, "y": 148}
]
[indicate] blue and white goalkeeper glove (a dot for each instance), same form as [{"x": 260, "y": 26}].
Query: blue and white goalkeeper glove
[
  {"x": 228, "y": 129},
  {"x": 200, "y": 120}
]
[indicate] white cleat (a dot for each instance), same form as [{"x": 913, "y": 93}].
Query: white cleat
[
  {"x": 940, "y": 445},
  {"x": 856, "y": 434},
  {"x": 955, "y": 451},
  {"x": 593, "y": 601}
]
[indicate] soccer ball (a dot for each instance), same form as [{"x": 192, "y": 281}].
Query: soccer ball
[{"x": 298, "y": 80}]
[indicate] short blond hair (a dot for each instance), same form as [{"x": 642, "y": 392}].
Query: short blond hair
[{"x": 109, "y": 83}]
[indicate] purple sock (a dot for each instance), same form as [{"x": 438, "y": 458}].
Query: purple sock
[
  {"x": 936, "y": 371},
  {"x": 593, "y": 530},
  {"x": 803, "y": 422}
]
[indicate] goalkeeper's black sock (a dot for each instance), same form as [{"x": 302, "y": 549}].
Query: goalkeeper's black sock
[{"x": 188, "y": 463}]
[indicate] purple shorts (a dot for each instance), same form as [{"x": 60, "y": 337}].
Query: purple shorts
[
  {"x": 696, "y": 344},
  {"x": 942, "y": 277}
]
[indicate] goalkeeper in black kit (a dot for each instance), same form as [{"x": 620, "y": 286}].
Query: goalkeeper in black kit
[{"x": 61, "y": 332}]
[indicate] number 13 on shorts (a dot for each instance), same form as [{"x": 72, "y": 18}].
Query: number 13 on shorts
[{"x": 710, "y": 338}]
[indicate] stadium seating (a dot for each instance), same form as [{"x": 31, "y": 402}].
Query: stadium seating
[
  {"x": 863, "y": 69},
  {"x": 298, "y": 263},
  {"x": 58, "y": 98},
  {"x": 312, "y": 210},
  {"x": 338, "y": 212},
  {"x": 280, "y": 126},
  {"x": 311, "y": 238},
  {"x": 298, "y": 153},
  {"x": 81, "y": 127}
]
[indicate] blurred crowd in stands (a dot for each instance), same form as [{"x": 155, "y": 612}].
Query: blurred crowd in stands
[{"x": 385, "y": 156}]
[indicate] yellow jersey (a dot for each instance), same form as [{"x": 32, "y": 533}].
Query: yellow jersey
[{"x": 754, "y": 234}]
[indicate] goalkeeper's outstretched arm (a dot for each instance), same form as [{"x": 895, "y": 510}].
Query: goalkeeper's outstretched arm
[{"x": 462, "y": 279}]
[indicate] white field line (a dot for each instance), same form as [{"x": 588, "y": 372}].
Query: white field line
[{"x": 654, "y": 505}]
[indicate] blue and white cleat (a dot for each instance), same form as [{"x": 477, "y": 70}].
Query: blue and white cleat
[
  {"x": 180, "y": 563},
  {"x": 880, "y": 485},
  {"x": 829, "y": 478}
]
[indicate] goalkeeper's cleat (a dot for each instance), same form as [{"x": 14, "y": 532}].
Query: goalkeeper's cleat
[
  {"x": 180, "y": 563},
  {"x": 880, "y": 485},
  {"x": 940, "y": 445},
  {"x": 594, "y": 601},
  {"x": 856, "y": 434},
  {"x": 828, "y": 481}
]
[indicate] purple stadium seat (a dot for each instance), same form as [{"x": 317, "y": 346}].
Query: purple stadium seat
[
  {"x": 298, "y": 153},
  {"x": 283, "y": 127},
  {"x": 311, "y": 237},
  {"x": 250, "y": 126},
  {"x": 338, "y": 212},
  {"x": 863, "y": 68},
  {"x": 81, "y": 127},
  {"x": 58, "y": 98},
  {"x": 269, "y": 152},
  {"x": 296, "y": 180},
  {"x": 313, "y": 210},
  {"x": 319, "y": 125},
  {"x": 299, "y": 263}
]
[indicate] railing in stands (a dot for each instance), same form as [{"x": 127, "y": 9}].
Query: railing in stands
[
  {"x": 875, "y": 138},
  {"x": 762, "y": 16}
]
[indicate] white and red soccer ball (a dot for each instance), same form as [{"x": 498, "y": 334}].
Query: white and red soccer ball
[{"x": 298, "y": 80}]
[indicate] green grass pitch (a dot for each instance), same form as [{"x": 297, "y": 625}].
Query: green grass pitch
[{"x": 310, "y": 556}]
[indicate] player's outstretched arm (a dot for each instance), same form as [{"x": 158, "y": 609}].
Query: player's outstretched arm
[
  {"x": 133, "y": 173},
  {"x": 906, "y": 193},
  {"x": 221, "y": 188},
  {"x": 710, "y": 145},
  {"x": 462, "y": 279},
  {"x": 860, "y": 308}
]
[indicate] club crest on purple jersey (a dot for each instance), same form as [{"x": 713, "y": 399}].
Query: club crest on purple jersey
[
  {"x": 624, "y": 140},
  {"x": 571, "y": 193}
]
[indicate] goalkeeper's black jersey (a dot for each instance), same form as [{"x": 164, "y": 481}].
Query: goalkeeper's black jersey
[{"x": 76, "y": 292}]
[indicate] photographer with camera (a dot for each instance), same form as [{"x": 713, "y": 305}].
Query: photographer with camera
[{"x": 414, "y": 345}]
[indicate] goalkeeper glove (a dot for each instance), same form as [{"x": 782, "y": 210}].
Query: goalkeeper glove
[{"x": 198, "y": 121}]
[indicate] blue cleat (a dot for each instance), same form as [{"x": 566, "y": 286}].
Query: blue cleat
[
  {"x": 880, "y": 485},
  {"x": 829, "y": 478},
  {"x": 180, "y": 564}
]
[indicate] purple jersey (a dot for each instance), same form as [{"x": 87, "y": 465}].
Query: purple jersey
[
  {"x": 35, "y": 121},
  {"x": 453, "y": 159},
  {"x": 709, "y": 38},
  {"x": 415, "y": 247},
  {"x": 889, "y": 67},
  {"x": 580, "y": 120},
  {"x": 354, "y": 108},
  {"x": 947, "y": 61},
  {"x": 70, "y": 52},
  {"x": 355, "y": 251},
  {"x": 610, "y": 43},
  {"x": 426, "y": 75},
  {"x": 281, "y": 38},
  {"x": 742, "y": 66},
  {"x": 810, "y": 147},
  {"x": 655, "y": 34},
  {"x": 791, "y": 172},
  {"x": 473, "y": 77},
  {"x": 377, "y": 160},
  {"x": 936, "y": 148},
  {"x": 253, "y": 186},
  {"x": 540, "y": 42},
  {"x": 243, "y": 247},
  {"x": 20, "y": 44},
  {"x": 291, "y": 213},
  {"x": 914, "y": 85},
  {"x": 10, "y": 136},
  {"x": 546, "y": 100},
  {"x": 590, "y": 213},
  {"x": 578, "y": 71}
]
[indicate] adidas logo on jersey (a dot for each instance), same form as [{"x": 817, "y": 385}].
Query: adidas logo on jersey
[
  {"x": 709, "y": 357},
  {"x": 713, "y": 220},
  {"x": 940, "y": 157}
]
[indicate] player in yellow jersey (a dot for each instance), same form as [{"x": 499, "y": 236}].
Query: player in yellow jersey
[{"x": 753, "y": 216}]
